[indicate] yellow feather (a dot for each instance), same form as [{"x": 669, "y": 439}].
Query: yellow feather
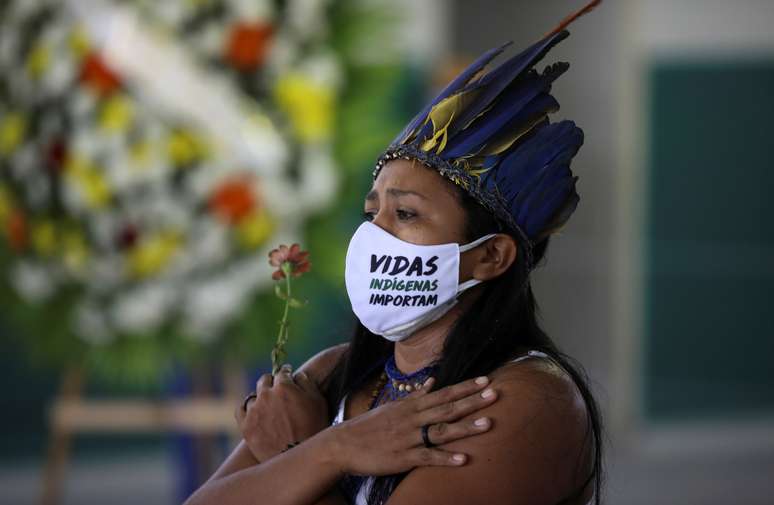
[
  {"x": 472, "y": 166},
  {"x": 445, "y": 138},
  {"x": 443, "y": 111},
  {"x": 411, "y": 135},
  {"x": 503, "y": 142},
  {"x": 478, "y": 171},
  {"x": 484, "y": 111},
  {"x": 428, "y": 144},
  {"x": 442, "y": 114}
]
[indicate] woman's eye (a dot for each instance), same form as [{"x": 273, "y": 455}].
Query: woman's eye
[{"x": 404, "y": 214}]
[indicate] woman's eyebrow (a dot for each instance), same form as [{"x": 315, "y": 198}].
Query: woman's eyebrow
[{"x": 373, "y": 195}]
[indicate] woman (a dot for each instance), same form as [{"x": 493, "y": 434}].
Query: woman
[{"x": 449, "y": 391}]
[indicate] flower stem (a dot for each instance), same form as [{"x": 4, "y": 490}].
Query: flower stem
[{"x": 278, "y": 353}]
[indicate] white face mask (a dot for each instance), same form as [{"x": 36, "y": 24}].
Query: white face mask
[{"x": 397, "y": 287}]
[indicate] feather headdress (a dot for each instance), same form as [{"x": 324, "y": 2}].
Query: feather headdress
[{"x": 490, "y": 134}]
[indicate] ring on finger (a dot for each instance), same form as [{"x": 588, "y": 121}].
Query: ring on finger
[
  {"x": 426, "y": 436},
  {"x": 251, "y": 396}
]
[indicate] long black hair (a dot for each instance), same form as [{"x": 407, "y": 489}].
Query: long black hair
[{"x": 501, "y": 324}]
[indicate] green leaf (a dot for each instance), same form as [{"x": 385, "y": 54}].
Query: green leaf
[
  {"x": 296, "y": 303},
  {"x": 279, "y": 292}
]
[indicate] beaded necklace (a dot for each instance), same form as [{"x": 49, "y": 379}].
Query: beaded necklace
[{"x": 394, "y": 384}]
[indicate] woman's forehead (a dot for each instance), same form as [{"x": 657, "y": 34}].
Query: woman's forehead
[{"x": 410, "y": 176}]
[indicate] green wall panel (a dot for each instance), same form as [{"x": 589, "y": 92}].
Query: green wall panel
[{"x": 709, "y": 273}]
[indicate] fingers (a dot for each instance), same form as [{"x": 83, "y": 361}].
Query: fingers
[
  {"x": 265, "y": 381},
  {"x": 453, "y": 410},
  {"x": 239, "y": 415},
  {"x": 284, "y": 375},
  {"x": 436, "y": 457},
  {"x": 441, "y": 433},
  {"x": 452, "y": 393},
  {"x": 305, "y": 383}
]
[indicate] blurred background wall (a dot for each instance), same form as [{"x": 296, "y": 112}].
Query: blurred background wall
[
  {"x": 660, "y": 284},
  {"x": 669, "y": 257}
]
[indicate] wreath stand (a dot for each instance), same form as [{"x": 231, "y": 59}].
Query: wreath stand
[{"x": 71, "y": 414}]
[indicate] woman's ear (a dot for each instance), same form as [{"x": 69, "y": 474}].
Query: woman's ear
[{"x": 493, "y": 257}]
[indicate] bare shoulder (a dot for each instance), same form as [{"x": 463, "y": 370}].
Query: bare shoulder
[
  {"x": 321, "y": 364},
  {"x": 536, "y": 451},
  {"x": 539, "y": 409},
  {"x": 538, "y": 380},
  {"x": 538, "y": 400}
]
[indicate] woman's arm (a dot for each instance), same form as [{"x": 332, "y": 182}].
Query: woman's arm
[
  {"x": 382, "y": 441},
  {"x": 537, "y": 452},
  {"x": 239, "y": 459},
  {"x": 300, "y": 475}
]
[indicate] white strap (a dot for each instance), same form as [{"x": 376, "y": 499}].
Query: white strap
[
  {"x": 531, "y": 354},
  {"x": 340, "y": 414},
  {"x": 475, "y": 243}
]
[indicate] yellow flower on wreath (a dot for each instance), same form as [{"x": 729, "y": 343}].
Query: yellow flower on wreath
[
  {"x": 185, "y": 147},
  {"x": 12, "y": 130},
  {"x": 255, "y": 228},
  {"x": 6, "y": 205},
  {"x": 153, "y": 254},
  {"x": 44, "y": 237},
  {"x": 78, "y": 42},
  {"x": 309, "y": 105},
  {"x": 38, "y": 60},
  {"x": 116, "y": 113},
  {"x": 89, "y": 180},
  {"x": 75, "y": 251}
]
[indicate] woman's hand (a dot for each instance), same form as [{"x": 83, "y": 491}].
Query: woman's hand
[
  {"x": 285, "y": 411},
  {"x": 388, "y": 439}
]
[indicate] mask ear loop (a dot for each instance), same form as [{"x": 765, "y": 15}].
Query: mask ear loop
[
  {"x": 467, "y": 247},
  {"x": 467, "y": 285},
  {"x": 476, "y": 243}
]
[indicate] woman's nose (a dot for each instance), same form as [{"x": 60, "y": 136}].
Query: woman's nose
[{"x": 382, "y": 220}]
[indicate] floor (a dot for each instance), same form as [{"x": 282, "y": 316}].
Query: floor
[{"x": 148, "y": 479}]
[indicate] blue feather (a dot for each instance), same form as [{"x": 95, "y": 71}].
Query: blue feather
[
  {"x": 505, "y": 119},
  {"x": 454, "y": 86},
  {"x": 518, "y": 123},
  {"x": 540, "y": 209},
  {"x": 543, "y": 174},
  {"x": 524, "y": 161},
  {"x": 545, "y": 144},
  {"x": 533, "y": 191},
  {"x": 561, "y": 216},
  {"x": 493, "y": 83}
]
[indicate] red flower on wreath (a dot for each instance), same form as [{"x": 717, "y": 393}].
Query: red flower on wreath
[
  {"x": 98, "y": 76},
  {"x": 233, "y": 200},
  {"x": 248, "y": 45},
  {"x": 291, "y": 260},
  {"x": 55, "y": 156},
  {"x": 16, "y": 229}
]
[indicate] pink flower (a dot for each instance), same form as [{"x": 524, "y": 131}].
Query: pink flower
[{"x": 289, "y": 260}]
